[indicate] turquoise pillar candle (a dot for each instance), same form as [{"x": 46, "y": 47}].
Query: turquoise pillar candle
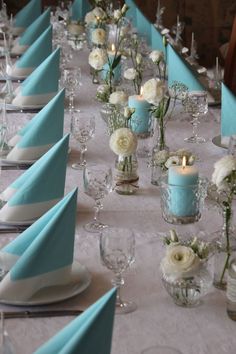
[
  {"x": 183, "y": 182},
  {"x": 140, "y": 121}
]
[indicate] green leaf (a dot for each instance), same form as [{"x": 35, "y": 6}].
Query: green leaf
[{"x": 116, "y": 62}]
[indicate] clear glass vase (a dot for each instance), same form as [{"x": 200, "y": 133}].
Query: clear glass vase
[
  {"x": 225, "y": 245},
  {"x": 126, "y": 175},
  {"x": 106, "y": 111},
  {"x": 159, "y": 149}
]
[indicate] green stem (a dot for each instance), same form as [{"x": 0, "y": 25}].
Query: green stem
[{"x": 228, "y": 213}]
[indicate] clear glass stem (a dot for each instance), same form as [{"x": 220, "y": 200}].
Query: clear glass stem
[
  {"x": 83, "y": 149},
  {"x": 118, "y": 282},
  {"x": 98, "y": 206},
  {"x": 71, "y": 101},
  {"x": 195, "y": 127}
]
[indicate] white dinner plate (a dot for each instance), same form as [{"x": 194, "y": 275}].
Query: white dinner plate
[
  {"x": 18, "y": 162},
  {"x": 217, "y": 142},
  {"x": 81, "y": 280},
  {"x": 11, "y": 107},
  {"x": 17, "y": 223}
]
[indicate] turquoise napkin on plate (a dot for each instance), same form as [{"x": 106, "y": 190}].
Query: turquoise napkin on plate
[
  {"x": 157, "y": 40},
  {"x": 144, "y": 26},
  {"x": 89, "y": 333},
  {"x": 38, "y": 51},
  {"x": 179, "y": 70},
  {"x": 39, "y": 188},
  {"x": 78, "y": 9},
  {"x": 44, "y": 130},
  {"x": 132, "y": 13},
  {"x": 35, "y": 29},
  {"x": 51, "y": 240},
  {"x": 58, "y": 221},
  {"x": 228, "y": 112},
  {"x": 27, "y": 15}
]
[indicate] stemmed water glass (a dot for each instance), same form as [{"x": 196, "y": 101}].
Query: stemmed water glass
[
  {"x": 72, "y": 79},
  {"x": 97, "y": 183},
  {"x": 82, "y": 129},
  {"x": 117, "y": 251},
  {"x": 196, "y": 105}
]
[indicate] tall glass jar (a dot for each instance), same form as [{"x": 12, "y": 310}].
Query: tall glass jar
[
  {"x": 225, "y": 248},
  {"x": 126, "y": 175}
]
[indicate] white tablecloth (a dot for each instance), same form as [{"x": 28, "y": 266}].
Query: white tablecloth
[{"x": 202, "y": 330}]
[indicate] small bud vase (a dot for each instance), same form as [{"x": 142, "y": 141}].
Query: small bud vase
[{"x": 126, "y": 175}]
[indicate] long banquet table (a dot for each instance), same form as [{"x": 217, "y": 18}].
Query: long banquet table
[{"x": 202, "y": 330}]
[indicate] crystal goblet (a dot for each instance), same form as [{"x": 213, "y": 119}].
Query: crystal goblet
[
  {"x": 97, "y": 184},
  {"x": 72, "y": 79},
  {"x": 117, "y": 251},
  {"x": 196, "y": 105},
  {"x": 82, "y": 129}
]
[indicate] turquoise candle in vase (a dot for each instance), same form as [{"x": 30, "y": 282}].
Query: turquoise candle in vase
[
  {"x": 140, "y": 121},
  {"x": 183, "y": 183}
]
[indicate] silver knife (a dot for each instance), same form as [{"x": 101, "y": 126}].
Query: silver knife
[{"x": 41, "y": 313}]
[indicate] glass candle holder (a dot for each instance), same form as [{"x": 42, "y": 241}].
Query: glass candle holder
[{"x": 182, "y": 204}]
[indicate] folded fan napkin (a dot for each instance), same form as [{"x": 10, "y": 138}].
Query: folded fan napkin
[
  {"x": 26, "y": 16},
  {"x": 131, "y": 13},
  {"x": 157, "y": 40},
  {"x": 39, "y": 188},
  {"x": 33, "y": 56},
  {"x": 78, "y": 9},
  {"x": 144, "y": 26},
  {"x": 50, "y": 239},
  {"x": 89, "y": 333},
  {"x": 179, "y": 70},
  {"x": 32, "y": 33},
  {"x": 42, "y": 85},
  {"x": 43, "y": 131},
  {"x": 228, "y": 114}
]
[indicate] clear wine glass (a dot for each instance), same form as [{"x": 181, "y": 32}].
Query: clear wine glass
[
  {"x": 6, "y": 346},
  {"x": 72, "y": 79},
  {"x": 196, "y": 105},
  {"x": 82, "y": 129},
  {"x": 97, "y": 183},
  {"x": 117, "y": 251}
]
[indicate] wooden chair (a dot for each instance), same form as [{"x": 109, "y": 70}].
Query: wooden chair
[{"x": 230, "y": 61}]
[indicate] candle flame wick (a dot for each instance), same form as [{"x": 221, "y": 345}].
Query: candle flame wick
[{"x": 184, "y": 162}]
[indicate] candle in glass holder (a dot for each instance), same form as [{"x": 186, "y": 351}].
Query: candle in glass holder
[
  {"x": 183, "y": 181},
  {"x": 140, "y": 120},
  {"x": 117, "y": 71}
]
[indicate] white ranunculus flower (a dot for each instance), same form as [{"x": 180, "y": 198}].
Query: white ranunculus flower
[
  {"x": 180, "y": 261},
  {"x": 161, "y": 157},
  {"x": 118, "y": 97},
  {"x": 222, "y": 169},
  {"x": 89, "y": 18},
  {"x": 156, "y": 56},
  {"x": 153, "y": 91},
  {"x": 123, "y": 142},
  {"x": 97, "y": 58},
  {"x": 130, "y": 74},
  {"x": 98, "y": 36},
  {"x": 173, "y": 161},
  {"x": 99, "y": 12}
]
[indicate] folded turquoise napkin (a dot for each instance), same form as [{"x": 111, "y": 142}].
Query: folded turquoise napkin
[
  {"x": 228, "y": 114},
  {"x": 89, "y": 333},
  {"x": 50, "y": 239},
  {"x": 131, "y": 13},
  {"x": 28, "y": 14},
  {"x": 78, "y": 9},
  {"x": 157, "y": 39},
  {"x": 39, "y": 188},
  {"x": 144, "y": 26},
  {"x": 180, "y": 71},
  {"x": 43, "y": 131}
]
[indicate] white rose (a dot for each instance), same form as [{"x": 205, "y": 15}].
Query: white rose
[
  {"x": 90, "y": 18},
  {"x": 123, "y": 142},
  {"x": 97, "y": 58},
  {"x": 153, "y": 91},
  {"x": 99, "y": 12},
  {"x": 179, "y": 261},
  {"x": 130, "y": 74},
  {"x": 222, "y": 169},
  {"x": 98, "y": 36},
  {"x": 117, "y": 14},
  {"x": 156, "y": 56},
  {"x": 118, "y": 97},
  {"x": 173, "y": 161}
]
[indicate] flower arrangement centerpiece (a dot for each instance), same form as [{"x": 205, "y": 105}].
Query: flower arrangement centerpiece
[
  {"x": 222, "y": 193},
  {"x": 184, "y": 269},
  {"x": 94, "y": 20},
  {"x": 123, "y": 142}
]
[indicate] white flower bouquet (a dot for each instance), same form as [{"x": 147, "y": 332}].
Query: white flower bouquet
[
  {"x": 123, "y": 142},
  {"x": 165, "y": 159}
]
